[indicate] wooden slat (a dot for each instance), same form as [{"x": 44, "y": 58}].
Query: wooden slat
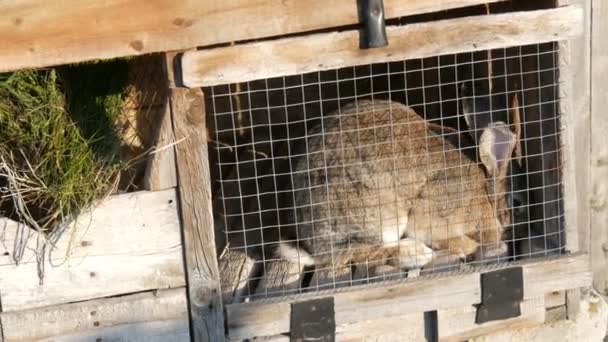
[
  {"x": 105, "y": 319},
  {"x": 236, "y": 268},
  {"x": 408, "y": 327},
  {"x": 129, "y": 243},
  {"x": 458, "y": 324},
  {"x": 599, "y": 148},
  {"x": 280, "y": 277},
  {"x": 36, "y": 33},
  {"x": 575, "y": 67},
  {"x": 326, "y": 51},
  {"x": 206, "y": 312},
  {"x": 416, "y": 296},
  {"x": 161, "y": 170}
]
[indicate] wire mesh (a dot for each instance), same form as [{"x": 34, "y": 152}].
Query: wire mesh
[{"x": 389, "y": 170}]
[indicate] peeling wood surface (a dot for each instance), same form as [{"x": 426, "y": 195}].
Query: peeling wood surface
[
  {"x": 325, "y": 51},
  {"x": 271, "y": 317},
  {"x": 157, "y": 315},
  {"x": 129, "y": 243},
  {"x": 38, "y": 33},
  {"x": 204, "y": 291}
]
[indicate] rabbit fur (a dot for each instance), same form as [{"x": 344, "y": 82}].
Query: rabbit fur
[{"x": 378, "y": 182}]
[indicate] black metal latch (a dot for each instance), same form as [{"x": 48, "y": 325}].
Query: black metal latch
[
  {"x": 313, "y": 320},
  {"x": 373, "y": 32},
  {"x": 501, "y": 294}
]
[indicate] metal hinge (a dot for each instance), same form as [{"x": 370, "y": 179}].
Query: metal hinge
[
  {"x": 313, "y": 320},
  {"x": 373, "y": 31},
  {"x": 501, "y": 294}
]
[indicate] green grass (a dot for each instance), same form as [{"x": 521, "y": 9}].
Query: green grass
[{"x": 58, "y": 148}]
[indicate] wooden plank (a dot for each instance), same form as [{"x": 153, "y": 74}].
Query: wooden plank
[
  {"x": 36, "y": 33},
  {"x": 575, "y": 67},
  {"x": 458, "y": 324},
  {"x": 280, "y": 277},
  {"x": 599, "y": 148},
  {"x": 161, "y": 170},
  {"x": 240, "y": 63},
  {"x": 236, "y": 269},
  {"x": 103, "y": 318},
  {"x": 154, "y": 331},
  {"x": 573, "y": 303},
  {"x": 555, "y": 299},
  {"x": 204, "y": 290},
  {"x": 408, "y": 327},
  {"x": 128, "y": 243},
  {"x": 415, "y": 296}
]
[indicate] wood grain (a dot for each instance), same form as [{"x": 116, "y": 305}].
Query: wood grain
[
  {"x": 106, "y": 319},
  {"x": 599, "y": 148},
  {"x": 236, "y": 269},
  {"x": 280, "y": 277},
  {"x": 325, "y": 51},
  {"x": 204, "y": 291},
  {"x": 379, "y": 301},
  {"x": 36, "y": 33},
  {"x": 129, "y": 243},
  {"x": 161, "y": 169},
  {"x": 458, "y": 324}
]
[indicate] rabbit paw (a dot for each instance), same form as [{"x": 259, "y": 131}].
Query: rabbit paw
[{"x": 414, "y": 254}]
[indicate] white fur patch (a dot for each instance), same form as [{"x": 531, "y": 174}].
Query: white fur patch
[
  {"x": 392, "y": 233},
  {"x": 294, "y": 254}
]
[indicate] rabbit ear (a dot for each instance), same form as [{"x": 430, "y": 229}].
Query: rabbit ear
[{"x": 496, "y": 147}]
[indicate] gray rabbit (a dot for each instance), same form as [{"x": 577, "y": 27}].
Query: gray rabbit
[{"x": 380, "y": 183}]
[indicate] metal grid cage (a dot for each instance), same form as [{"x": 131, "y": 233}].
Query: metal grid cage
[{"x": 388, "y": 170}]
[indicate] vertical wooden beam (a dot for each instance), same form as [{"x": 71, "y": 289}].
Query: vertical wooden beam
[
  {"x": 575, "y": 63},
  {"x": 575, "y": 91},
  {"x": 204, "y": 292},
  {"x": 599, "y": 148}
]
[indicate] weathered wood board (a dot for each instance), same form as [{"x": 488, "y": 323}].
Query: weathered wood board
[
  {"x": 38, "y": 33},
  {"x": 236, "y": 270},
  {"x": 458, "y": 324},
  {"x": 156, "y": 315},
  {"x": 204, "y": 289},
  {"x": 160, "y": 169},
  {"x": 325, "y": 51},
  {"x": 128, "y": 243},
  {"x": 599, "y": 148},
  {"x": 394, "y": 299}
]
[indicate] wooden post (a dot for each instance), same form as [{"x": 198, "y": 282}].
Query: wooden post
[
  {"x": 204, "y": 292},
  {"x": 599, "y": 149},
  {"x": 575, "y": 79}
]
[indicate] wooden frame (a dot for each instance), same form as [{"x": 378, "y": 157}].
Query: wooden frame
[
  {"x": 376, "y": 303},
  {"x": 35, "y": 34},
  {"x": 384, "y": 300},
  {"x": 290, "y": 56}
]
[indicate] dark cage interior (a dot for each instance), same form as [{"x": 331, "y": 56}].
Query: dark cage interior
[{"x": 290, "y": 184}]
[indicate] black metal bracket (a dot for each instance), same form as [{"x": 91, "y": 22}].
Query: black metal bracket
[
  {"x": 313, "y": 320},
  {"x": 501, "y": 294},
  {"x": 373, "y": 31}
]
